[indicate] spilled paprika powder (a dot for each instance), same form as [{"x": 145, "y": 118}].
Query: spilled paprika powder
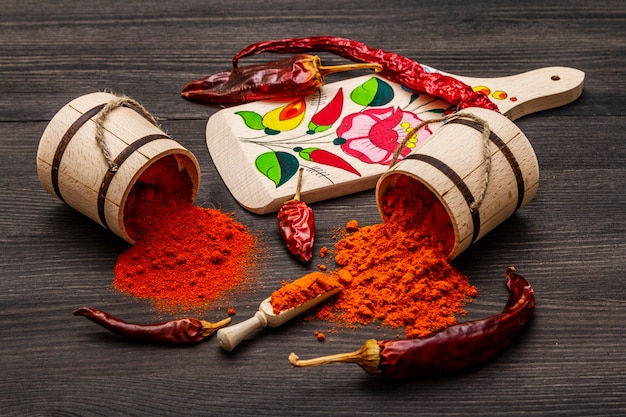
[
  {"x": 400, "y": 272},
  {"x": 185, "y": 256}
]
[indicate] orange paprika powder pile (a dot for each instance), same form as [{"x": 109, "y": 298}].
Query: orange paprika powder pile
[
  {"x": 400, "y": 272},
  {"x": 184, "y": 257}
]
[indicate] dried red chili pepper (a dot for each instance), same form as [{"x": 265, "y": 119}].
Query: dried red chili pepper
[
  {"x": 179, "y": 332},
  {"x": 395, "y": 67},
  {"x": 296, "y": 76},
  {"x": 453, "y": 349},
  {"x": 296, "y": 223}
]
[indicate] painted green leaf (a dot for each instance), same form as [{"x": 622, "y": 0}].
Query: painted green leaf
[
  {"x": 305, "y": 153},
  {"x": 252, "y": 119},
  {"x": 373, "y": 92},
  {"x": 364, "y": 94},
  {"x": 278, "y": 166}
]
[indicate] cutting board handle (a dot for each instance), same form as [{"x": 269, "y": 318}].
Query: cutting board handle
[{"x": 533, "y": 91}]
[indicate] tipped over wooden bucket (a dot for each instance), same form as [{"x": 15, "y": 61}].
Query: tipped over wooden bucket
[
  {"x": 72, "y": 166},
  {"x": 452, "y": 164}
]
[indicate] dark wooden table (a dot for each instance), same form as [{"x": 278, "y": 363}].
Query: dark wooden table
[{"x": 570, "y": 241}]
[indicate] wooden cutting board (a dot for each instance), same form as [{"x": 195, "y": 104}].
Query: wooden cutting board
[{"x": 344, "y": 134}]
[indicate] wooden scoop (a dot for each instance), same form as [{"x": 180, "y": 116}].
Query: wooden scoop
[
  {"x": 258, "y": 147},
  {"x": 230, "y": 337}
]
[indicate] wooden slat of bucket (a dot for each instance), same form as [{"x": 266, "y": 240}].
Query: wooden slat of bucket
[
  {"x": 70, "y": 181},
  {"x": 496, "y": 210},
  {"x": 56, "y": 132},
  {"x": 50, "y": 141}
]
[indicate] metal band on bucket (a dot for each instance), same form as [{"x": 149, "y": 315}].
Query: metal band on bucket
[
  {"x": 65, "y": 140},
  {"x": 119, "y": 160},
  {"x": 506, "y": 151}
]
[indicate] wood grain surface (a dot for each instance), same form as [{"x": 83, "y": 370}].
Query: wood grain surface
[{"x": 569, "y": 241}]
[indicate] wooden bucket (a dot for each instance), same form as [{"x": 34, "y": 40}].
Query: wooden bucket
[
  {"x": 452, "y": 164},
  {"x": 71, "y": 165}
]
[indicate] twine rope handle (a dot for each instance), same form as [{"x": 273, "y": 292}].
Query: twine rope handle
[
  {"x": 486, "y": 153},
  {"x": 102, "y": 115}
]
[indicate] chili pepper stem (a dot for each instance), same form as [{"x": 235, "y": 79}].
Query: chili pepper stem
[
  {"x": 296, "y": 197},
  {"x": 209, "y": 328},
  {"x": 367, "y": 357},
  {"x": 325, "y": 70}
]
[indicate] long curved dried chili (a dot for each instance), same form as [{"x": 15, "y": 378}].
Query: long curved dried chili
[
  {"x": 395, "y": 67},
  {"x": 453, "y": 349},
  {"x": 178, "y": 332},
  {"x": 296, "y": 76}
]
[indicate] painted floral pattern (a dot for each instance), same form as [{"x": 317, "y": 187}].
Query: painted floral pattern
[
  {"x": 373, "y": 135},
  {"x": 362, "y": 126}
]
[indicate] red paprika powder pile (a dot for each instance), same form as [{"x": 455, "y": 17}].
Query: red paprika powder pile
[
  {"x": 400, "y": 272},
  {"x": 185, "y": 256}
]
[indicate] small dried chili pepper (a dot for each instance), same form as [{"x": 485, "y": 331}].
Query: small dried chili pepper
[
  {"x": 296, "y": 76},
  {"x": 179, "y": 332},
  {"x": 453, "y": 349},
  {"x": 395, "y": 67},
  {"x": 296, "y": 223}
]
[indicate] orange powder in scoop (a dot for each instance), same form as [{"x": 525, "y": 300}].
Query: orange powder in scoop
[{"x": 306, "y": 288}]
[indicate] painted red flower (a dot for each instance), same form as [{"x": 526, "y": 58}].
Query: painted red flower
[{"x": 374, "y": 135}]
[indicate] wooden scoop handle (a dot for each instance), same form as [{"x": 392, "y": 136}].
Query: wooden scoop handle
[{"x": 229, "y": 337}]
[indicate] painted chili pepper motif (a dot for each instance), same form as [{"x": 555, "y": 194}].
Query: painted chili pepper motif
[
  {"x": 296, "y": 76},
  {"x": 296, "y": 223},
  {"x": 396, "y": 67},
  {"x": 176, "y": 332},
  {"x": 452, "y": 349},
  {"x": 322, "y": 156},
  {"x": 328, "y": 115}
]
